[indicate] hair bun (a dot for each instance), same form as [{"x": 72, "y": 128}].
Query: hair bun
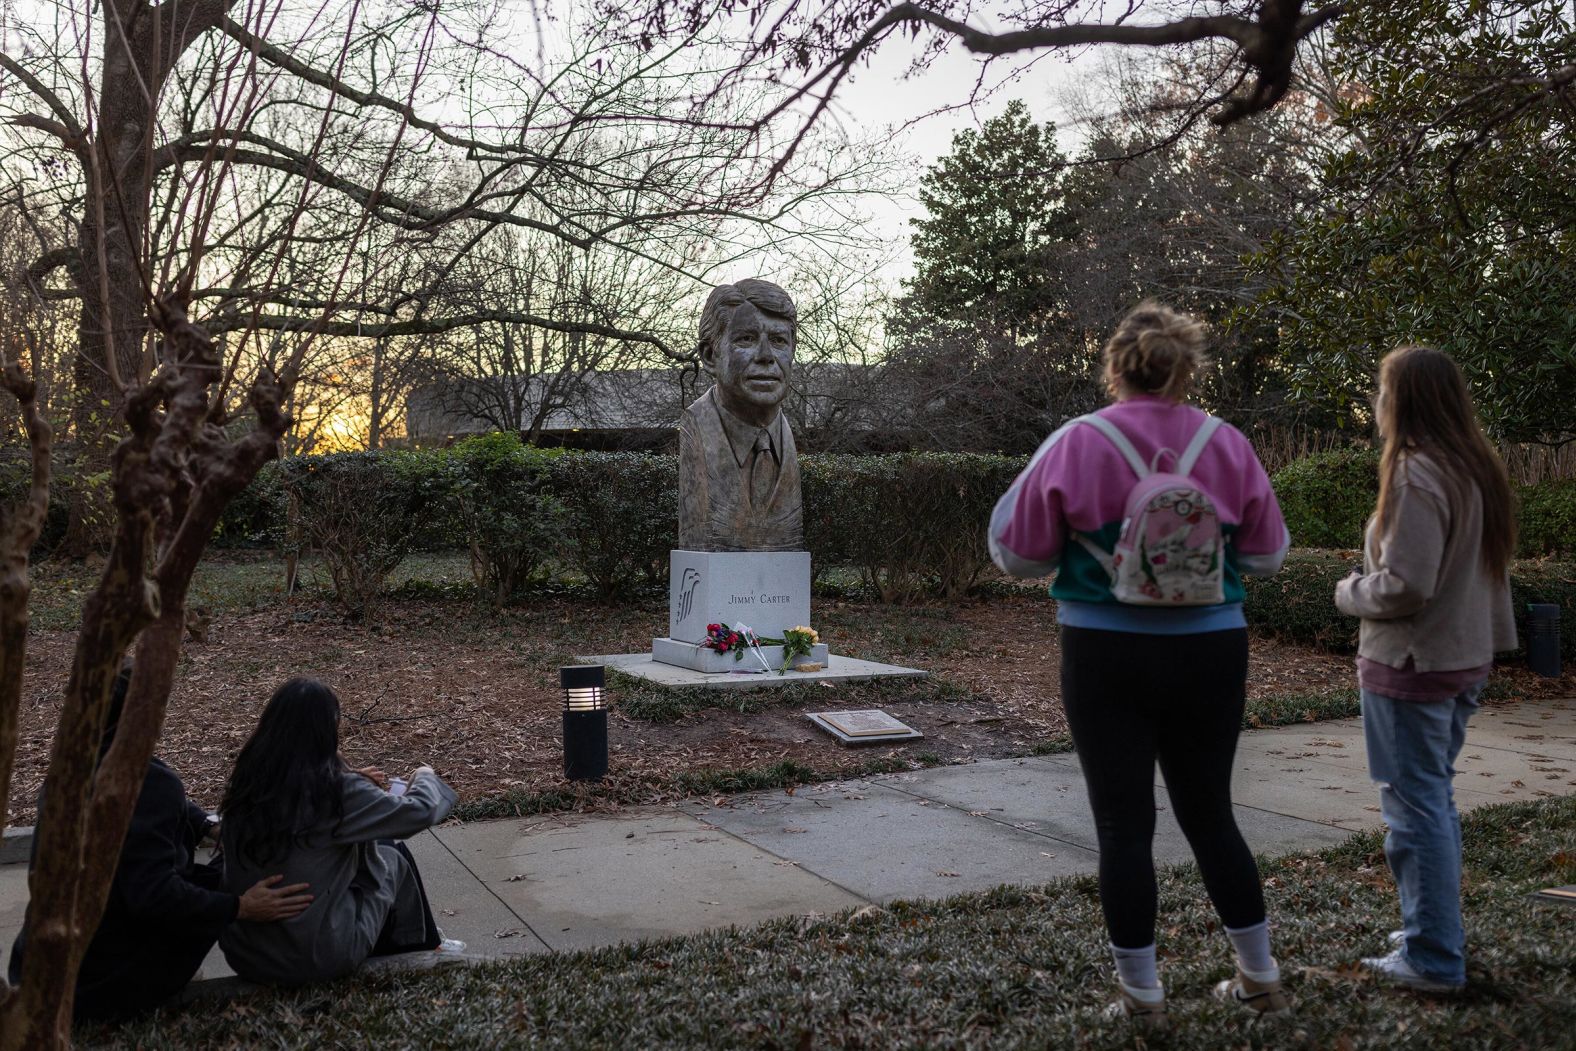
[{"x": 1154, "y": 350}]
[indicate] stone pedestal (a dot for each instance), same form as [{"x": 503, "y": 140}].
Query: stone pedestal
[
  {"x": 766, "y": 591},
  {"x": 699, "y": 658},
  {"x": 769, "y": 591}
]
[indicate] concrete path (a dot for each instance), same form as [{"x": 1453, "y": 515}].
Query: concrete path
[{"x": 569, "y": 882}]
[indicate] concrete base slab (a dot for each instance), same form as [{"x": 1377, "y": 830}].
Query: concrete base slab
[
  {"x": 884, "y": 844},
  {"x": 597, "y": 882},
  {"x": 838, "y": 669},
  {"x": 698, "y": 658}
]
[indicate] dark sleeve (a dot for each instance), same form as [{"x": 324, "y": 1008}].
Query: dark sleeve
[
  {"x": 152, "y": 879},
  {"x": 196, "y": 820}
]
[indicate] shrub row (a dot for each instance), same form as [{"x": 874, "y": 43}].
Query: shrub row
[
  {"x": 1327, "y": 498},
  {"x": 912, "y": 524},
  {"x": 1297, "y": 603}
]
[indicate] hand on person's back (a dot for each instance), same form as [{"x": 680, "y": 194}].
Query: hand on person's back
[{"x": 264, "y": 902}]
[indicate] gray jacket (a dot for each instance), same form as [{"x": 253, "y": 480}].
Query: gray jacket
[
  {"x": 1424, "y": 592},
  {"x": 353, "y": 882}
]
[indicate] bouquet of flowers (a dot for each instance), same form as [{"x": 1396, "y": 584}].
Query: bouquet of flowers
[
  {"x": 724, "y": 639},
  {"x": 797, "y": 642}
]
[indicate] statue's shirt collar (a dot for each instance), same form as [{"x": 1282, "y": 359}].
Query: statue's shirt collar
[{"x": 742, "y": 435}]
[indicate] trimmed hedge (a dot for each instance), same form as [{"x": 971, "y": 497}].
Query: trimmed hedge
[
  {"x": 500, "y": 501},
  {"x": 360, "y": 511},
  {"x": 621, "y": 512},
  {"x": 1326, "y": 498},
  {"x": 913, "y": 524},
  {"x": 1297, "y": 604},
  {"x": 1546, "y": 519}
]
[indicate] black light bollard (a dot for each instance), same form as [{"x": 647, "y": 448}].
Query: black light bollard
[
  {"x": 585, "y": 721},
  {"x": 1543, "y": 638}
]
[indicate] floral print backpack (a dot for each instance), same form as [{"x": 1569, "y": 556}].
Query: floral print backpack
[{"x": 1171, "y": 551}]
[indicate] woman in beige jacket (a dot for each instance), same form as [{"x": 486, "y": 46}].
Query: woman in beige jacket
[{"x": 1434, "y": 598}]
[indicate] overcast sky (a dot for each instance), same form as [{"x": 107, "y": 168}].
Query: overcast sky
[{"x": 921, "y": 112}]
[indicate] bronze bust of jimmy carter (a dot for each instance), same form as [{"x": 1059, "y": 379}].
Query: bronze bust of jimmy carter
[{"x": 738, "y": 468}]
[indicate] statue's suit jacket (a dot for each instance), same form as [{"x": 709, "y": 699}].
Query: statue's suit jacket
[{"x": 717, "y": 511}]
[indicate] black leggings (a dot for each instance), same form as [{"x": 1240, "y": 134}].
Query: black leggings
[{"x": 1132, "y": 699}]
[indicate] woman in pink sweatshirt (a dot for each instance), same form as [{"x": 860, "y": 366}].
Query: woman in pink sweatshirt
[
  {"x": 1434, "y": 598},
  {"x": 1165, "y": 680}
]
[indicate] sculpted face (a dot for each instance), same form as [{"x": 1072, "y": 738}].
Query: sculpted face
[{"x": 751, "y": 364}]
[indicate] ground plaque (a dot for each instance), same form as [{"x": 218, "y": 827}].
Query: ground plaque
[{"x": 870, "y": 726}]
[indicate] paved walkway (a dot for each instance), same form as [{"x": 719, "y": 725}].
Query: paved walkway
[{"x": 571, "y": 882}]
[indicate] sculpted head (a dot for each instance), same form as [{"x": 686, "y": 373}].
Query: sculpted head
[{"x": 747, "y": 337}]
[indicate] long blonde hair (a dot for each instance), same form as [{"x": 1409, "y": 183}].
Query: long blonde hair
[
  {"x": 1425, "y": 406},
  {"x": 1154, "y": 350}
]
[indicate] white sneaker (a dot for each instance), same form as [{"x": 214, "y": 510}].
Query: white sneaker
[
  {"x": 1397, "y": 939},
  {"x": 1145, "y": 1008},
  {"x": 450, "y": 945},
  {"x": 1395, "y": 970}
]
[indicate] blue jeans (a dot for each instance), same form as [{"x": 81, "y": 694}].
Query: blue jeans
[{"x": 1412, "y": 749}]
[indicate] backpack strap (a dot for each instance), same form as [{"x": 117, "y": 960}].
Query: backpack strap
[
  {"x": 1114, "y": 434},
  {"x": 1195, "y": 448}
]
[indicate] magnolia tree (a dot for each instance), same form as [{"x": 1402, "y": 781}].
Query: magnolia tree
[{"x": 228, "y": 185}]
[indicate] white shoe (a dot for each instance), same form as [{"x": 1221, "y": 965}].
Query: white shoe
[
  {"x": 1262, "y": 998},
  {"x": 450, "y": 945},
  {"x": 1145, "y": 1008},
  {"x": 1397, "y": 939},
  {"x": 1395, "y": 970}
]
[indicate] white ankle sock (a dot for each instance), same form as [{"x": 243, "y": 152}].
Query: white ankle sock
[
  {"x": 1135, "y": 968},
  {"x": 1253, "y": 952}
]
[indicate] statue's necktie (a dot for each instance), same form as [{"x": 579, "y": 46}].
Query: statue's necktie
[{"x": 763, "y": 470}]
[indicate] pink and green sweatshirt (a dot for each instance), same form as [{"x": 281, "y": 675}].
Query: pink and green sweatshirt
[{"x": 1077, "y": 482}]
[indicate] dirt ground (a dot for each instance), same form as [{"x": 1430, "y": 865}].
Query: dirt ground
[{"x": 474, "y": 692}]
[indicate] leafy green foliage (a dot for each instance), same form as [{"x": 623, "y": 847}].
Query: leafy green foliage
[
  {"x": 1449, "y": 219},
  {"x": 993, "y": 211},
  {"x": 510, "y": 521},
  {"x": 979, "y": 335},
  {"x": 1326, "y": 498},
  {"x": 1297, "y": 604},
  {"x": 914, "y": 524},
  {"x": 255, "y": 516},
  {"x": 1546, "y": 519},
  {"x": 621, "y": 515}
]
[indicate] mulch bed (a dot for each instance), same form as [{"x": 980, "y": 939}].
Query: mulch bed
[{"x": 475, "y": 692}]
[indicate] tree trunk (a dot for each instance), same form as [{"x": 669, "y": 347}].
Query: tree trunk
[{"x": 19, "y": 529}]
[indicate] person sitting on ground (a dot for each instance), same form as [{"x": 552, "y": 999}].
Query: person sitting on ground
[
  {"x": 164, "y": 911},
  {"x": 1154, "y": 641},
  {"x": 293, "y": 805}
]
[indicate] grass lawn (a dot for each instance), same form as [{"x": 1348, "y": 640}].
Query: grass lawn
[{"x": 1012, "y": 968}]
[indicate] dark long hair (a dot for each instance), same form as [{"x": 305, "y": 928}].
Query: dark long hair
[
  {"x": 289, "y": 775},
  {"x": 1425, "y": 407}
]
